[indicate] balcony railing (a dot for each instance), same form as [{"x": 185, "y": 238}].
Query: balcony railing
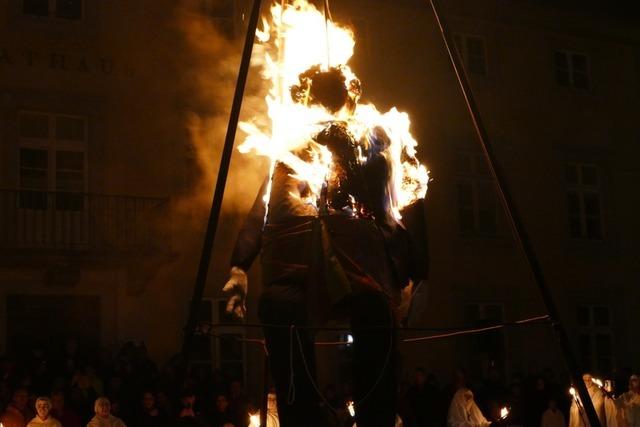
[{"x": 79, "y": 221}]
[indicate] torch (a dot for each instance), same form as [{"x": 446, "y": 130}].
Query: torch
[
  {"x": 576, "y": 400},
  {"x": 607, "y": 392},
  {"x": 254, "y": 420},
  {"x": 351, "y": 408},
  {"x": 504, "y": 413}
]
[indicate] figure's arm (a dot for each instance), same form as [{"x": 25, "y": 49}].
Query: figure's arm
[
  {"x": 415, "y": 297},
  {"x": 246, "y": 250},
  {"x": 415, "y": 222}
]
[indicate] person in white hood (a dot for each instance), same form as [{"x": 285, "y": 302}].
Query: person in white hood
[
  {"x": 577, "y": 415},
  {"x": 103, "y": 416},
  {"x": 631, "y": 402},
  {"x": 43, "y": 417},
  {"x": 463, "y": 411}
]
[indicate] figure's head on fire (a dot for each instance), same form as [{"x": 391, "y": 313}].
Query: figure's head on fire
[
  {"x": 359, "y": 177},
  {"x": 328, "y": 89}
]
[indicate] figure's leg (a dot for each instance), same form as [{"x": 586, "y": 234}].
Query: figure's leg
[
  {"x": 297, "y": 398},
  {"x": 375, "y": 360}
]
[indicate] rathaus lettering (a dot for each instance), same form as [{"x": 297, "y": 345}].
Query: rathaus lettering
[{"x": 61, "y": 61}]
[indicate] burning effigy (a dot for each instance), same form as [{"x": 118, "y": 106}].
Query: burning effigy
[
  {"x": 339, "y": 221},
  {"x": 298, "y": 47}
]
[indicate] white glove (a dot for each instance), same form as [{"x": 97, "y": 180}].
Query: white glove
[{"x": 237, "y": 287}]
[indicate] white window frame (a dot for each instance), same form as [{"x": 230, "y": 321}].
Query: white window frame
[
  {"x": 53, "y": 8},
  {"x": 482, "y": 310},
  {"x": 224, "y": 330},
  {"x": 583, "y": 190},
  {"x": 568, "y": 54},
  {"x": 592, "y": 331},
  {"x": 475, "y": 178},
  {"x": 51, "y": 145}
]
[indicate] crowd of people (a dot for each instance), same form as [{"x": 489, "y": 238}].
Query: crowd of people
[
  {"x": 75, "y": 389},
  {"x": 538, "y": 399},
  {"x": 78, "y": 389}
]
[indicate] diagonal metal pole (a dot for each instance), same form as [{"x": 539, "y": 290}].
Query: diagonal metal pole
[
  {"x": 216, "y": 206},
  {"x": 520, "y": 234}
]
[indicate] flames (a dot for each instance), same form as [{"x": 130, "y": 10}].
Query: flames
[
  {"x": 294, "y": 38},
  {"x": 504, "y": 413}
]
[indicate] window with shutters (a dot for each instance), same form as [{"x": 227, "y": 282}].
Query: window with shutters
[
  {"x": 53, "y": 161},
  {"x": 584, "y": 200},
  {"x": 572, "y": 70}
]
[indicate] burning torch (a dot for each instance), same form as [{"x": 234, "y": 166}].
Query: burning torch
[
  {"x": 351, "y": 408},
  {"x": 607, "y": 391},
  {"x": 576, "y": 400},
  {"x": 254, "y": 420},
  {"x": 504, "y": 413}
]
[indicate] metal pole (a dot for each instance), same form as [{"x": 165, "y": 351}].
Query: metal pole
[
  {"x": 520, "y": 235},
  {"x": 216, "y": 206},
  {"x": 265, "y": 389}
]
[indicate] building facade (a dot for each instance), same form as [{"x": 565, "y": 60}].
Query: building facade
[{"x": 100, "y": 226}]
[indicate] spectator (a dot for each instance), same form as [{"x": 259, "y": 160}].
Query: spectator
[
  {"x": 221, "y": 414},
  {"x": 17, "y": 412},
  {"x": 423, "y": 399},
  {"x": 163, "y": 402},
  {"x": 238, "y": 402},
  {"x": 493, "y": 392},
  {"x": 537, "y": 400},
  {"x": 553, "y": 417},
  {"x": 67, "y": 417},
  {"x": 43, "y": 416},
  {"x": 70, "y": 360},
  {"x": 463, "y": 411},
  {"x": 630, "y": 401},
  {"x": 148, "y": 414},
  {"x": 82, "y": 393},
  {"x": 516, "y": 414},
  {"x": 103, "y": 417},
  {"x": 187, "y": 416}
]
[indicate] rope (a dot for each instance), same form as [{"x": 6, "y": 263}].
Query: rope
[
  {"x": 310, "y": 376},
  {"x": 291, "y": 396},
  {"x": 476, "y": 330},
  {"x": 327, "y": 19},
  {"x": 211, "y": 325},
  {"x": 293, "y": 330}
]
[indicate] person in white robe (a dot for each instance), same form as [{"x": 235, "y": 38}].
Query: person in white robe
[
  {"x": 103, "y": 417},
  {"x": 577, "y": 414},
  {"x": 463, "y": 411},
  {"x": 43, "y": 416},
  {"x": 630, "y": 402},
  {"x": 553, "y": 416}
]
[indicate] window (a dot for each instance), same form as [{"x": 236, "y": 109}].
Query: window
[
  {"x": 572, "y": 69},
  {"x": 29, "y": 321},
  {"x": 477, "y": 204},
  {"x": 584, "y": 201},
  {"x": 220, "y": 346},
  {"x": 230, "y": 354},
  {"x": 488, "y": 347},
  {"x": 202, "y": 340},
  {"x": 472, "y": 51},
  {"x": 52, "y": 160},
  {"x": 63, "y": 9},
  {"x": 594, "y": 337}
]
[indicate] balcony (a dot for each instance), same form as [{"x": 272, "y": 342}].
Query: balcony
[{"x": 92, "y": 223}]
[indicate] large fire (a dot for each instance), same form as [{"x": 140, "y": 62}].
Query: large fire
[{"x": 293, "y": 39}]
